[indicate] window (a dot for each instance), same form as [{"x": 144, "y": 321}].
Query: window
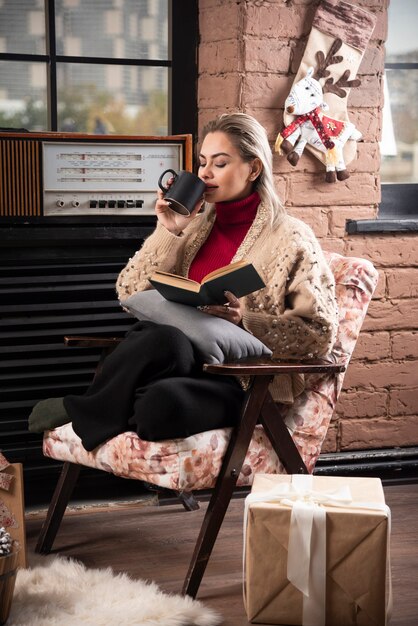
[
  {"x": 399, "y": 145},
  {"x": 398, "y": 210},
  {"x": 98, "y": 66}
]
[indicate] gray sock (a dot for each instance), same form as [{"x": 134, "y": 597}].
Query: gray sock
[{"x": 47, "y": 414}]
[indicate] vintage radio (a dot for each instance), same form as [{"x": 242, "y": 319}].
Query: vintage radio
[{"x": 69, "y": 174}]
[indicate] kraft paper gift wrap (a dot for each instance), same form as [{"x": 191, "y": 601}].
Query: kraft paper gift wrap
[
  {"x": 335, "y": 549},
  {"x": 12, "y": 508}
]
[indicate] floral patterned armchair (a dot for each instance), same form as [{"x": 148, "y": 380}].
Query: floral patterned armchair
[{"x": 227, "y": 457}]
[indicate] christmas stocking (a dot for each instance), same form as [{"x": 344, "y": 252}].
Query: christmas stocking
[{"x": 339, "y": 36}]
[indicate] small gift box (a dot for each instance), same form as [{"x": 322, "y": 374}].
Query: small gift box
[
  {"x": 316, "y": 551},
  {"x": 12, "y": 510}
]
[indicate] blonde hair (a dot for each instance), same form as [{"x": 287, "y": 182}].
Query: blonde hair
[{"x": 250, "y": 139}]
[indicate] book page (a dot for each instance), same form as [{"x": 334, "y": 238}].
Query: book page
[
  {"x": 165, "y": 278},
  {"x": 224, "y": 270}
]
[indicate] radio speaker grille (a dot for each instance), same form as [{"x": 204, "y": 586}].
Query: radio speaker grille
[{"x": 20, "y": 178}]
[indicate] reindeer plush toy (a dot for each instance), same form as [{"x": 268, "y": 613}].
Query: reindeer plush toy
[{"x": 310, "y": 126}]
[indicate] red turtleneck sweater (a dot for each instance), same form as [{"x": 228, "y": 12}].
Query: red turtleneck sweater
[{"x": 233, "y": 219}]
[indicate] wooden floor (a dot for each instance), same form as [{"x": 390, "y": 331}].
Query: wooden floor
[{"x": 155, "y": 543}]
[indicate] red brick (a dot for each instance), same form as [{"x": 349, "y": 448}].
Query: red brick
[
  {"x": 391, "y": 315},
  {"x": 280, "y": 184},
  {"x": 380, "y": 31},
  {"x": 369, "y": 94},
  {"x": 268, "y": 91},
  {"x": 206, "y": 115},
  {"x": 308, "y": 163},
  {"x": 386, "y": 250},
  {"x": 380, "y": 291},
  {"x": 267, "y": 55},
  {"x": 374, "y": 57},
  {"x": 402, "y": 283},
  {"x": 270, "y": 119},
  {"x": 218, "y": 23},
  {"x": 381, "y": 374},
  {"x": 372, "y": 346},
  {"x": 368, "y": 158},
  {"x": 378, "y": 433},
  {"x": 298, "y": 49},
  {"x": 330, "y": 442},
  {"x": 315, "y": 217},
  {"x": 332, "y": 244},
  {"x": 368, "y": 121},
  {"x": 218, "y": 57},
  {"x": 309, "y": 189},
  {"x": 225, "y": 88},
  {"x": 405, "y": 346},
  {"x": 403, "y": 401},
  {"x": 352, "y": 404},
  {"x": 338, "y": 215},
  {"x": 275, "y": 20}
]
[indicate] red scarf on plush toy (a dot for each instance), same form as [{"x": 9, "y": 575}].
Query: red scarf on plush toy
[{"x": 313, "y": 116}]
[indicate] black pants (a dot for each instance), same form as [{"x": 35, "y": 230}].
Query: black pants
[{"x": 153, "y": 383}]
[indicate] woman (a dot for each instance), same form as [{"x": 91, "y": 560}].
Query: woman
[{"x": 162, "y": 392}]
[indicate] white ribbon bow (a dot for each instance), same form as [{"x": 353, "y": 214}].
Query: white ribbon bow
[{"x": 306, "y": 565}]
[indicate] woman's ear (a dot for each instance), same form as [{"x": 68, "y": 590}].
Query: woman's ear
[{"x": 256, "y": 168}]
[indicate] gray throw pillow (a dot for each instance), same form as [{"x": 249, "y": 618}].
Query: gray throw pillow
[{"x": 215, "y": 339}]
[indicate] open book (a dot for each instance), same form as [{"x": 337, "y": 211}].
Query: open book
[{"x": 241, "y": 278}]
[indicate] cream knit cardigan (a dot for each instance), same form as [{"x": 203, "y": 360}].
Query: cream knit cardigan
[{"x": 295, "y": 315}]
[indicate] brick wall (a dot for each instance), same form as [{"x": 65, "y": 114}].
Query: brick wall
[{"x": 249, "y": 53}]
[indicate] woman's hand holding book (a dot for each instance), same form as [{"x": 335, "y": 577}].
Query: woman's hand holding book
[{"x": 230, "y": 311}]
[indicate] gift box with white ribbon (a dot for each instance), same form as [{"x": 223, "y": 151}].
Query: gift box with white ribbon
[{"x": 316, "y": 551}]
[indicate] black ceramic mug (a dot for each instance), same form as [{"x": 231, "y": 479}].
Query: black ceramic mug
[{"x": 185, "y": 191}]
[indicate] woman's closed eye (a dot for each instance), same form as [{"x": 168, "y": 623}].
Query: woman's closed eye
[{"x": 219, "y": 165}]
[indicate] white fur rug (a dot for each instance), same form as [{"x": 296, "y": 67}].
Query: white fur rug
[{"x": 62, "y": 592}]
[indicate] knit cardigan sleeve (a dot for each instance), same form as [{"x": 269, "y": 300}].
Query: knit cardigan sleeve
[
  {"x": 161, "y": 251},
  {"x": 296, "y": 314}
]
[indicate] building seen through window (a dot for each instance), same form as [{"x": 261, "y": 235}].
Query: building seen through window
[
  {"x": 399, "y": 145},
  {"x": 102, "y": 65}
]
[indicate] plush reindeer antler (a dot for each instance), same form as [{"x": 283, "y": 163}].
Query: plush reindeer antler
[
  {"x": 322, "y": 72},
  {"x": 337, "y": 87},
  {"x": 330, "y": 59}
]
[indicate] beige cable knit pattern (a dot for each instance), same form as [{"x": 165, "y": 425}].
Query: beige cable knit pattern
[{"x": 295, "y": 315}]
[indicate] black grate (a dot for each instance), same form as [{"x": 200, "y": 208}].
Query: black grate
[{"x": 40, "y": 302}]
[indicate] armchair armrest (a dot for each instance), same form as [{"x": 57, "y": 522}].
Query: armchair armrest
[
  {"x": 91, "y": 342},
  {"x": 266, "y": 366}
]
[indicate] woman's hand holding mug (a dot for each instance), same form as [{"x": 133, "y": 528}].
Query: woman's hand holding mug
[{"x": 179, "y": 201}]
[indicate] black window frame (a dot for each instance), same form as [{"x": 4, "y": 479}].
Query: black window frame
[
  {"x": 398, "y": 209},
  {"x": 399, "y": 200},
  {"x": 182, "y": 66}
]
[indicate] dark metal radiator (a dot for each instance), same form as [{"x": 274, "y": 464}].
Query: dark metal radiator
[{"x": 48, "y": 289}]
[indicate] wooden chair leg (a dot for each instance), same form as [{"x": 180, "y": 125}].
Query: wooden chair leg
[
  {"x": 56, "y": 510},
  {"x": 281, "y": 439},
  {"x": 225, "y": 484}
]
